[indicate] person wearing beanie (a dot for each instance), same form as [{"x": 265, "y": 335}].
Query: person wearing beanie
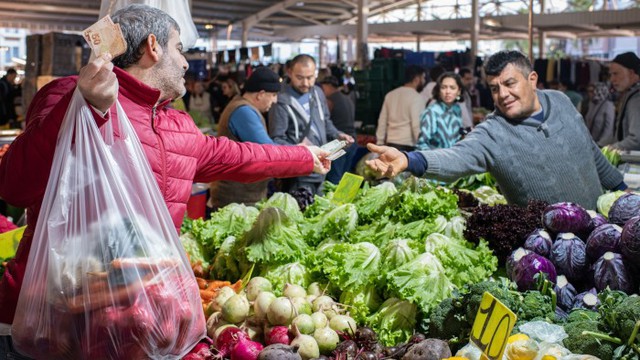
[
  {"x": 625, "y": 79},
  {"x": 242, "y": 120}
]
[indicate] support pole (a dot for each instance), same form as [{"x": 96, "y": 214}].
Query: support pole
[
  {"x": 245, "y": 34},
  {"x": 475, "y": 33},
  {"x": 362, "y": 33},
  {"x": 531, "y": 31},
  {"x": 542, "y": 51}
]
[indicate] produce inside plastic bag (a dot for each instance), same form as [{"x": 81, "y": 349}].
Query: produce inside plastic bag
[{"x": 107, "y": 277}]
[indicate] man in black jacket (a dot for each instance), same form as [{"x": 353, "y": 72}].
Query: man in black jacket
[{"x": 9, "y": 90}]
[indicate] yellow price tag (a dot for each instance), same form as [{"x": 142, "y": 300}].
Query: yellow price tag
[
  {"x": 492, "y": 327},
  {"x": 348, "y": 188},
  {"x": 9, "y": 242}
]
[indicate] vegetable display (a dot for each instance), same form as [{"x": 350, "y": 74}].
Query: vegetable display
[{"x": 358, "y": 280}]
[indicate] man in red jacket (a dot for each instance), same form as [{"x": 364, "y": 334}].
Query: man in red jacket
[{"x": 144, "y": 80}]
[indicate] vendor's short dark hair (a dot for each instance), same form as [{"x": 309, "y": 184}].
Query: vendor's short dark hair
[
  {"x": 498, "y": 61},
  {"x": 303, "y": 59},
  {"x": 411, "y": 71}
]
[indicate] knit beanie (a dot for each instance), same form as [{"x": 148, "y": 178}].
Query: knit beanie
[
  {"x": 262, "y": 78},
  {"x": 628, "y": 60}
]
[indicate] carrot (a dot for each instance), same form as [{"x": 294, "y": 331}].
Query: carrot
[
  {"x": 202, "y": 283},
  {"x": 208, "y": 295}
]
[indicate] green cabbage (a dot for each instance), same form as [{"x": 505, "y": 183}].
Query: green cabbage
[
  {"x": 273, "y": 239},
  {"x": 394, "y": 322},
  {"x": 606, "y": 200},
  {"x": 286, "y": 203},
  {"x": 423, "y": 281}
]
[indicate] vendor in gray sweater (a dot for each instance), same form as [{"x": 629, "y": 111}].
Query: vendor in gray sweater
[{"x": 535, "y": 144}]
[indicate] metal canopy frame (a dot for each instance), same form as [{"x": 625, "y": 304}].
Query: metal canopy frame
[{"x": 283, "y": 20}]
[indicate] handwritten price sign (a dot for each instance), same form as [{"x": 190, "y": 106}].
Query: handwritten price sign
[
  {"x": 492, "y": 327},
  {"x": 348, "y": 188}
]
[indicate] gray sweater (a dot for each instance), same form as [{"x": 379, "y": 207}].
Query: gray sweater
[{"x": 552, "y": 161}]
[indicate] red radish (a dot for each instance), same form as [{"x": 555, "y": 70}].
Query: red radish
[
  {"x": 246, "y": 349},
  {"x": 202, "y": 351},
  {"x": 227, "y": 340},
  {"x": 278, "y": 335}
]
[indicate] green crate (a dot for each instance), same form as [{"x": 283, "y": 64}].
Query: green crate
[
  {"x": 378, "y": 73},
  {"x": 360, "y": 76}
]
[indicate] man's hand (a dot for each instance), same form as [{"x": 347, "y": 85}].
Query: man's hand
[
  {"x": 346, "y": 137},
  {"x": 320, "y": 164},
  {"x": 390, "y": 162},
  {"x": 98, "y": 83}
]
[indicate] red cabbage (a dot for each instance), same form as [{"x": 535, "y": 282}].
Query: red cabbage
[
  {"x": 630, "y": 239},
  {"x": 597, "y": 219},
  {"x": 539, "y": 242},
  {"x": 624, "y": 208},
  {"x": 525, "y": 270},
  {"x": 604, "y": 238},
  {"x": 567, "y": 217},
  {"x": 587, "y": 300},
  {"x": 569, "y": 255},
  {"x": 565, "y": 292},
  {"x": 610, "y": 271},
  {"x": 515, "y": 258}
]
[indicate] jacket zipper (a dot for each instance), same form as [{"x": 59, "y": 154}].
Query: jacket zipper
[{"x": 163, "y": 155}]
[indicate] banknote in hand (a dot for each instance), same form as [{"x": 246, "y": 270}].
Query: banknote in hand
[{"x": 105, "y": 36}]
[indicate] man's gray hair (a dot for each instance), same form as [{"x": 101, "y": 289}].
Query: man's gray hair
[{"x": 138, "y": 22}]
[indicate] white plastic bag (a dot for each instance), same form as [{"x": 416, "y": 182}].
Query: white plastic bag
[
  {"x": 177, "y": 9},
  {"x": 107, "y": 277}
]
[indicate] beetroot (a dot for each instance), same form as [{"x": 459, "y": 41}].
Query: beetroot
[
  {"x": 278, "y": 335},
  {"x": 227, "y": 340},
  {"x": 202, "y": 351},
  {"x": 246, "y": 349}
]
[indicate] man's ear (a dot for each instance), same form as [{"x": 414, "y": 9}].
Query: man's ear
[
  {"x": 533, "y": 78},
  {"x": 153, "y": 48}
]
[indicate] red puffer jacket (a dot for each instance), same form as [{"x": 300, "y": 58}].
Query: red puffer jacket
[{"x": 178, "y": 154}]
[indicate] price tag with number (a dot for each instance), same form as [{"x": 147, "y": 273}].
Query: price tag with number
[
  {"x": 348, "y": 188},
  {"x": 492, "y": 327}
]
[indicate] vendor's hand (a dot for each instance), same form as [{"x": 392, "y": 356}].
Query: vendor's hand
[
  {"x": 346, "y": 137},
  {"x": 98, "y": 83},
  {"x": 320, "y": 163},
  {"x": 390, "y": 162}
]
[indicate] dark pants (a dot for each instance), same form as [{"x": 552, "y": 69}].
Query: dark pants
[
  {"x": 291, "y": 184},
  {"x": 7, "y": 352}
]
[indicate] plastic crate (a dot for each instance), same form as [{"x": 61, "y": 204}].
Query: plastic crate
[{"x": 63, "y": 54}]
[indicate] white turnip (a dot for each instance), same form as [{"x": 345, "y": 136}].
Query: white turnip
[
  {"x": 343, "y": 323},
  {"x": 294, "y": 291},
  {"x": 261, "y": 304},
  {"x": 323, "y": 302},
  {"x": 307, "y": 346},
  {"x": 304, "y": 323},
  {"x": 319, "y": 319},
  {"x": 236, "y": 309},
  {"x": 315, "y": 289},
  {"x": 223, "y": 295},
  {"x": 301, "y": 305},
  {"x": 327, "y": 339},
  {"x": 214, "y": 322},
  {"x": 281, "y": 311},
  {"x": 257, "y": 285}
]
